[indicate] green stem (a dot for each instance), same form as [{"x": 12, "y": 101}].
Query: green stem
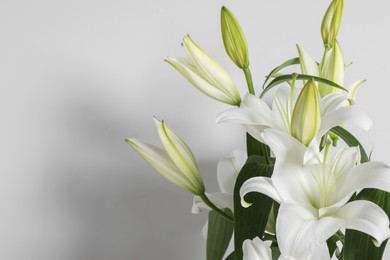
[
  {"x": 248, "y": 77},
  {"x": 212, "y": 206}
]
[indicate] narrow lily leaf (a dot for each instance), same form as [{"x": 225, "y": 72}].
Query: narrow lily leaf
[
  {"x": 332, "y": 246},
  {"x": 230, "y": 257},
  {"x": 285, "y": 64},
  {"x": 219, "y": 233},
  {"x": 286, "y": 78},
  {"x": 275, "y": 252},
  {"x": 255, "y": 147},
  {"x": 351, "y": 141},
  {"x": 359, "y": 246},
  {"x": 250, "y": 222}
]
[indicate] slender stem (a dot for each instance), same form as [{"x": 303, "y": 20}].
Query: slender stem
[
  {"x": 211, "y": 205},
  {"x": 249, "y": 82}
]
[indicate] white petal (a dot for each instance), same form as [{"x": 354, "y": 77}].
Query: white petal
[
  {"x": 308, "y": 65},
  {"x": 350, "y": 115},
  {"x": 257, "y": 249},
  {"x": 299, "y": 234},
  {"x": 161, "y": 162},
  {"x": 259, "y": 184},
  {"x": 354, "y": 87},
  {"x": 375, "y": 175},
  {"x": 284, "y": 146},
  {"x": 253, "y": 111},
  {"x": 366, "y": 217},
  {"x": 332, "y": 102},
  {"x": 228, "y": 170},
  {"x": 219, "y": 199}
]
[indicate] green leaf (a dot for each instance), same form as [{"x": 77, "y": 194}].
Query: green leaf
[
  {"x": 351, "y": 141},
  {"x": 275, "y": 252},
  {"x": 290, "y": 62},
  {"x": 230, "y": 257},
  {"x": 219, "y": 233},
  {"x": 285, "y": 78},
  {"x": 332, "y": 246},
  {"x": 255, "y": 147},
  {"x": 250, "y": 222},
  {"x": 359, "y": 246}
]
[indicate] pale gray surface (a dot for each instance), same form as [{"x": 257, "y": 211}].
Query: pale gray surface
[{"x": 77, "y": 77}]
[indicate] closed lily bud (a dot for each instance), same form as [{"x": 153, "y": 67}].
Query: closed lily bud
[
  {"x": 205, "y": 74},
  {"x": 175, "y": 162},
  {"x": 333, "y": 69},
  {"x": 234, "y": 39},
  {"x": 331, "y": 22},
  {"x": 306, "y": 116}
]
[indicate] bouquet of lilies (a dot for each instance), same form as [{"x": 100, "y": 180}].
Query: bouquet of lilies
[{"x": 305, "y": 188}]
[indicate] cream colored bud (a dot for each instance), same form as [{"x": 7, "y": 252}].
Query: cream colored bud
[
  {"x": 234, "y": 39},
  {"x": 306, "y": 117},
  {"x": 205, "y": 74},
  {"x": 331, "y": 22},
  {"x": 175, "y": 162}
]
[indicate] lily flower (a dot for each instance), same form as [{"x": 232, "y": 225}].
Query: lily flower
[
  {"x": 255, "y": 115},
  {"x": 314, "y": 196},
  {"x": 205, "y": 73},
  {"x": 175, "y": 162}
]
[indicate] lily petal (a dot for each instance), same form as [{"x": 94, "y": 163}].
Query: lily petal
[
  {"x": 308, "y": 65},
  {"x": 257, "y": 249},
  {"x": 262, "y": 185},
  {"x": 219, "y": 199},
  {"x": 228, "y": 170},
  {"x": 366, "y": 217},
  {"x": 350, "y": 115},
  {"x": 374, "y": 175}
]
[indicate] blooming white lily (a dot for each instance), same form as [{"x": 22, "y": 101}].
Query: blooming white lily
[
  {"x": 205, "y": 73},
  {"x": 313, "y": 197},
  {"x": 255, "y": 115},
  {"x": 176, "y": 162}
]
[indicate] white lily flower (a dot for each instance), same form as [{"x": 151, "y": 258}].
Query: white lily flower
[
  {"x": 175, "y": 162},
  {"x": 255, "y": 115},
  {"x": 205, "y": 73},
  {"x": 314, "y": 197}
]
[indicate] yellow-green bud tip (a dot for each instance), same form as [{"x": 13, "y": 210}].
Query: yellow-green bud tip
[{"x": 331, "y": 22}]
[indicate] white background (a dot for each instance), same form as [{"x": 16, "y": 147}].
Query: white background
[{"x": 77, "y": 77}]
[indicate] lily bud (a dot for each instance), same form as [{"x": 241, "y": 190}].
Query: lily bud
[
  {"x": 175, "y": 162},
  {"x": 306, "y": 116},
  {"x": 234, "y": 39},
  {"x": 331, "y": 22},
  {"x": 205, "y": 74},
  {"x": 334, "y": 68}
]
